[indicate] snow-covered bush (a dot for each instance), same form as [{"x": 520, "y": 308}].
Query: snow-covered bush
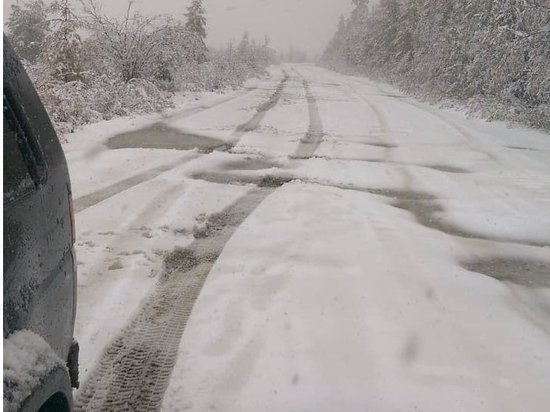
[
  {"x": 94, "y": 98},
  {"x": 93, "y": 67},
  {"x": 62, "y": 50},
  {"x": 228, "y": 68}
]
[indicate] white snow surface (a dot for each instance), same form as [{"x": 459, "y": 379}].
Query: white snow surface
[
  {"x": 122, "y": 239},
  {"x": 326, "y": 316},
  {"x": 28, "y": 359},
  {"x": 329, "y": 297}
]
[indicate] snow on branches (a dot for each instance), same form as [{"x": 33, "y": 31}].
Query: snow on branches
[
  {"x": 494, "y": 53},
  {"x": 88, "y": 66}
]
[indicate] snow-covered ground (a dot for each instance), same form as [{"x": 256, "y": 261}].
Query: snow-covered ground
[
  {"x": 404, "y": 266},
  {"x": 121, "y": 239}
]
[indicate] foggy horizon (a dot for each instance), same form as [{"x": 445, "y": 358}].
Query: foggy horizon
[{"x": 227, "y": 20}]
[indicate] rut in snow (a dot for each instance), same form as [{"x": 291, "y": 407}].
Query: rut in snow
[
  {"x": 262, "y": 110},
  {"x": 195, "y": 110},
  {"x": 98, "y": 196},
  {"x": 162, "y": 136},
  {"x": 314, "y": 136},
  {"x": 133, "y": 373}
]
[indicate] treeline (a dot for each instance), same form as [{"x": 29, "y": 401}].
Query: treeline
[
  {"x": 495, "y": 54},
  {"x": 88, "y": 66}
]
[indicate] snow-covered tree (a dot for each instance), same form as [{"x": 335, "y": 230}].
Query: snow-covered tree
[
  {"x": 196, "y": 19},
  {"x": 63, "y": 46},
  {"x": 180, "y": 49},
  {"x": 495, "y": 51},
  {"x": 88, "y": 67},
  {"x": 27, "y": 28},
  {"x": 196, "y": 24},
  {"x": 129, "y": 46}
]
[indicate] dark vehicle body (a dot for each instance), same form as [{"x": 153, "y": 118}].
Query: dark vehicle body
[{"x": 39, "y": 260}]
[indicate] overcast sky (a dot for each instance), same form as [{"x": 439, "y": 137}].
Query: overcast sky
[{"x": 306, "y": 24}]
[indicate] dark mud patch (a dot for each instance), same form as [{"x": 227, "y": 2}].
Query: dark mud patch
[
  {"x": 403, "y": 195},
  {"x": 530, "y": 149},
  {"x": 392, "y": 96},
  {"x": 331, "y": 84},
  {"x": 213, "y": 224},
  {"x": 240, "y": 180},
  {"x": 347, "y": 159},
  {"x": 528, "y": 273},
  {"x": 397, "y": 195},
  {"x": 274, "y": 181},
  {"x": 448, "y": 169},
  {"x": 384, "y": 145},
  {"x": 161, "y": 136},
  {"x": 187, "y": 259},
  {"x": 426, "y": 209},
  {"x": 426, "y": 212},
  {"x": 181, "y": 259},
  {"x": 116, "y": 265},
  {"x": 361, "y": 159},
  {"x": 223, "y": 178},
  {"x": 249, "y": 164}
]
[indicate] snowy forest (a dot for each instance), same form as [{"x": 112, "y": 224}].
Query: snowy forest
[
  {"x": 88, "y": 66},
  {"x": 492, "y": 54}
]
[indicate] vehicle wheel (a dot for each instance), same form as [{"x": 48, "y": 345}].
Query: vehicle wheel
[{"x": 57, "y": 403}]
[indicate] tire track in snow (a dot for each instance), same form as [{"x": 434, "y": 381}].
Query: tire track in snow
[
  {"x": 161, "y": 135},
  {"x": 98, "y": 196},
  {"x": 128, "y": 240},
  {"x": 198, "y": 109},
  {"x": 427, "y": 211},
  {"x": 388, "y": 135},
  {"x": 467, "y": 137},
  {"x": 142, "y": 222},
  {"x": 261, "y": 111},
  {"x": 92, "y": 199},
  {"x": 135, "y": 368},
  {"x": 382, "y": 123},
  {"x": 309, "y": 144},
  {"x": 381, "y": 119},
  {"x": 427, "y": 214}
]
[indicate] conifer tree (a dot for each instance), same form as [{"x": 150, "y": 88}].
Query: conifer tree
[
  {"x": 196, "y": 19},
  {"x": 196, "y": 24},
  {"x": 63, "y": 51}
]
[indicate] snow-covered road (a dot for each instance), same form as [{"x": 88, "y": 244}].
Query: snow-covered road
[{"x": 316, "y": 242}]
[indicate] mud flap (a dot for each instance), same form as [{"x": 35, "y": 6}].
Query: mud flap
[{"x": 72, "y": 364}]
